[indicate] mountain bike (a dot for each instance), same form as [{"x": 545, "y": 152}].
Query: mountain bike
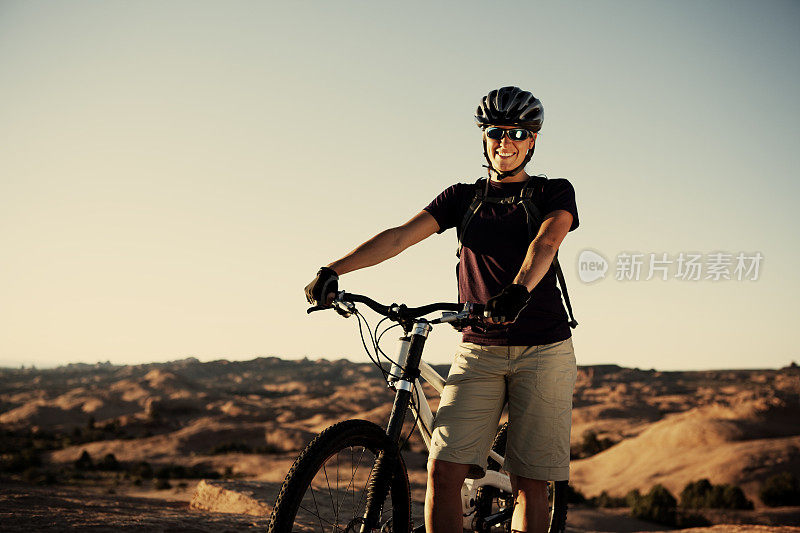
[{"x": 352, "y": 477}]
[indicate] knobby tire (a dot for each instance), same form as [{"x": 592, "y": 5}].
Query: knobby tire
[{"x": 326, "y": 488}]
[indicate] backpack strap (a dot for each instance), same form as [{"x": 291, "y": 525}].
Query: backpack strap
[
  {"x": 481, "y": 191},
  {"x": 535, "y": 219},
  {"x": 561, "y": 281},
  {"x": 532, "y": 213}
]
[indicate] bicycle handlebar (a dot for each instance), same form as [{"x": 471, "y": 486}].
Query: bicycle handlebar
[{"x": 344, "y": 304}]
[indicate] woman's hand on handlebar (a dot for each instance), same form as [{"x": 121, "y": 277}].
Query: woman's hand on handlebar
[
  {"x": 506, "y": 307},
  {"x": 322, "y": 289}
]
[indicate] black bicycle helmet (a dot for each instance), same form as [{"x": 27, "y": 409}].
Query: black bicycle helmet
[{"x": 509, "y": 106}]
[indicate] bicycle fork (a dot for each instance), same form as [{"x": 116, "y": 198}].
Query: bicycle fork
[{"x": 385, "y": 464}]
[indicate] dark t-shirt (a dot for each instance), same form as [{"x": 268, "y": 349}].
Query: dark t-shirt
[{"x": 494, "y": 248}]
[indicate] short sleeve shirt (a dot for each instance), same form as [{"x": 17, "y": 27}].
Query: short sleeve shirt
[{"x": 493, "y": 249}]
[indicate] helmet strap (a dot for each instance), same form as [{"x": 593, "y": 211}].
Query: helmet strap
[{"x": 503, "y": 175}]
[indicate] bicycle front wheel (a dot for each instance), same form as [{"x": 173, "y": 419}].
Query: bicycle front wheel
[{"x": 326, "y": 489}]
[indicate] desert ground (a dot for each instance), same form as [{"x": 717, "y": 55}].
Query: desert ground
[{"x": 110, "y": 447}]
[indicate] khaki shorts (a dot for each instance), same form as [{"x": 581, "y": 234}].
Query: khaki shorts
[{"x": 537, "y": 382}]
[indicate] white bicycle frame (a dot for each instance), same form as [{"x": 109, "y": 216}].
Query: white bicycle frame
[{"x": 424, "y": 416}]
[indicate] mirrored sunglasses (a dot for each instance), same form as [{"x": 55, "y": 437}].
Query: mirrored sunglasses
[{"x": 516, "y": 134}]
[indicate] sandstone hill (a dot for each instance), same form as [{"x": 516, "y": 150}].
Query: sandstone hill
[{"x": 735, "y": 427}]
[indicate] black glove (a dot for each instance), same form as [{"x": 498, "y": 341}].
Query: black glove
[
  {"x": 506, "y": 306},
  {"x": 326, "y": 282}
]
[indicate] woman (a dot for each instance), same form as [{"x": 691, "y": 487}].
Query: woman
[{"x": 524, "y": 356}]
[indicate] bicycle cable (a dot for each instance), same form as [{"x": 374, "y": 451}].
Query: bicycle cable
[
  {"x": 372, "y": 358},
  {"x": 378, "y": 348},
  {"x": 375, "y": 358},
  {"x": 415, "y": 402}
]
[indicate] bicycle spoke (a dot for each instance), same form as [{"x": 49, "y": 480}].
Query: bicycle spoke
[
  {"x": 363, "y": 498},
  {"x": 352, "y": 477},
  {"x": 319, "y": 517},
  {"x": 353, "y": 474},
  {"x": 336, "y": 508},
  {"x": 333, "y": 505},
  {"x": 317, "y": 508}
]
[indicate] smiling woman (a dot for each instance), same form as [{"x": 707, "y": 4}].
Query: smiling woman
[
  {"x": 520, "y": 114},
  {"x": 507, "y": 262},
  {"x": 508, "y": 148}
]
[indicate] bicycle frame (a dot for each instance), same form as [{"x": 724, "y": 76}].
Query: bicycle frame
[
  {"x": 410, "y": 366},
  {"x": 404, "y": 379}
]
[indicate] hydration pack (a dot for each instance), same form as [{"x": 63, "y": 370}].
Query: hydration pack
[{"x": 532, "y": 214}]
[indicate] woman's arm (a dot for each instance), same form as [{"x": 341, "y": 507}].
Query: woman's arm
[
  {"x": 543, "y": 248},
  {"x": 387, "y": 244}
]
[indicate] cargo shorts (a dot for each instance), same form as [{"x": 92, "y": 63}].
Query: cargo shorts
[{"x": 536, "y": 381}]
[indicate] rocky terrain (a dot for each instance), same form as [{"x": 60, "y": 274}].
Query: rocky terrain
[{"x": 124, "y": 435}]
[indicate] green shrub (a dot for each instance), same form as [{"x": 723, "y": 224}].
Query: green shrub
[
  {"x": 733, "y": 498},
  {"x": 695, "y": 494},
  {"x": 632, "y": 498},
  {"x": 112, "y": 427},
  {"x": 109, "y": 462},
  {"x": 84, "y": 462},
  {"x": 716, "y": 498},
  {"x": 142, "y": 470},
  {"x": 702, "y": 493},
  {"x": 591, "y": 445},
  {"x": 658, "y": 505},
  {"x": 605, "y": 500},
  {"x": 780, "y": 489}
]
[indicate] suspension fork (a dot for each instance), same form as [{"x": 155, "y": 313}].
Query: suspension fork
[{"x": 381, "y": 476}]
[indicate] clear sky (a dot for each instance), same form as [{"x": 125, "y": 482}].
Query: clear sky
[{"x": 172, "y": 174}]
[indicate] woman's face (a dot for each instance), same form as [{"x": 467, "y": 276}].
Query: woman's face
[{"x": 506, "y": 154}]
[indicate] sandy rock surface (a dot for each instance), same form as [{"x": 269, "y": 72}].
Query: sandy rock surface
[
  {"x": 24, "y": 508},
  {"x": 240, "y": 497},
  {"x": 27, "y": 509}
]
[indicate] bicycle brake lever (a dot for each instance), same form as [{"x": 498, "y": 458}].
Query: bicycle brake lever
[{"x": 316, "y": 308}]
